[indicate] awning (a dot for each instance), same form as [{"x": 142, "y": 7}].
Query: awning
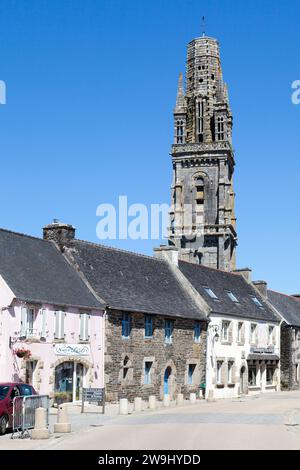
[{"x": 263, "y": 357}]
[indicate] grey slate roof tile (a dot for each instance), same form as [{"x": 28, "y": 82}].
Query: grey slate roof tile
[
  {"x": 220, "y": 281},
  {"x": 287, "y": 306},
  {"x": 131, "y": 281},
  {"x": 36, "y": 271}
]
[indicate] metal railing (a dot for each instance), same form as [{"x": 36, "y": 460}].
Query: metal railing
[{"x": 24, "y": 413}]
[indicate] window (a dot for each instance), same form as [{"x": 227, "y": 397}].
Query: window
[
  {"x": 148, "y": 326},
  {"x": 126, "y": 325},
  {"x": 225, "y": 330},
  {"x": 168, "y": 331},
  {"x": 197, "y": 332},
  {"x": 147, "y": 372},
  {"x": 252, "y": 375},
  {"x": 253, "y": 331},
  {"x": 220, "y": 128},
  {"x": 59, "y": 325},
  {"x": 256, "y": 301},
  {"x": 199, "y": 191},
  {"x": 179, "y": 132},
  {"x": 210, "y": 293},
  {"x": 219, "y": 372},
  {"x": 270, "y": 374},
  {"x": 240, "y": 332},
  {"x": 27, "y": 322},
  {"x": 229, "y": 372},
  {"x": 200, "y": 112},
  {"x": 271, "y": 334},
  {"x": 191, "y": 370},
  {"x": 297, "y": 372},
  {"x": 84, "y": 327},
  {"x": 232, "y": 297},
  {"x": 30, "y": 322},
  {"x": 126, "y": 365}
]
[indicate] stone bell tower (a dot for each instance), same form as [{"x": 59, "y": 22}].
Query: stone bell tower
[{"x": 202, "y": 219}]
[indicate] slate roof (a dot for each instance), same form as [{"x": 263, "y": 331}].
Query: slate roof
[
  {"x": 287, "y": 306},
  {"x": 220, "y": 281},
  {"x": 132, "y": 282},
  {"x": 36, "y": 271}
]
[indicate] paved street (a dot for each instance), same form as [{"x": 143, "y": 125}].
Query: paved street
[{"x": 265, "y": 422}]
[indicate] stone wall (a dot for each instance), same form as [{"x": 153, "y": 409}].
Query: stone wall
[
  {"x": 290, "y": 357},
  {"x": 133, "y": 353}
]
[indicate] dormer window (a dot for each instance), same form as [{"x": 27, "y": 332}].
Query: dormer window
[
  {"x": 210, "y": 293},
  {"x": 232, "y": 296},
  {"x": 256, "y": 301}
]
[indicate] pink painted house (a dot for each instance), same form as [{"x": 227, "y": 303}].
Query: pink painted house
[{"x": 47, "y": 310}]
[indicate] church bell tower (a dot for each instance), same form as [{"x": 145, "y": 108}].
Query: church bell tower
[{"x": 202, "y": 218}]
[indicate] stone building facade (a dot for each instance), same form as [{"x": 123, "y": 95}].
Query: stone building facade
[
  {"x": 288, "y": 307},
  {"x": 127, "y": 360},
  {"x": 202, "y": 219}
]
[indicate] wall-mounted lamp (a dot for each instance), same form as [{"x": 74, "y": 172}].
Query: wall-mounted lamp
[{"x": 215, "y": 329}]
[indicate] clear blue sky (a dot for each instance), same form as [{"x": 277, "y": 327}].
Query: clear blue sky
[{"x": 91, "y": 86}]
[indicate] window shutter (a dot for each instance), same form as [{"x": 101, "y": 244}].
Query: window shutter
[
  {"x": 43, "y": 329},
  {"x": 57, "y": 315},
  {"x": 230, "y": 332},
  {"x": 62, "y": 324},
  {"x": 87, "y": 322},
  {"x": 243, "y": 334},
  {"x": 274, "y": 336},
  {"x": 81, "y": 334},
  {"x": 23, "y": 322}
]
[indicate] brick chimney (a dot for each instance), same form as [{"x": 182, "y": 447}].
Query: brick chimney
[
  {"x": 262, "y": 286},
  {"x": 60, "y": 233}
]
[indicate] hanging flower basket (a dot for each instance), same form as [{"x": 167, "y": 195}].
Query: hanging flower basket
[{"x": 23, "y": 353}]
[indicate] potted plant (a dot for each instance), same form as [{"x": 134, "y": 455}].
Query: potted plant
[
  {"x": 61, "y": 397},
  {"x": 23, "y": 353}
]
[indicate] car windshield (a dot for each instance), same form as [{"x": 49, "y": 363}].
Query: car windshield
[{"x": 3, "y": 391}]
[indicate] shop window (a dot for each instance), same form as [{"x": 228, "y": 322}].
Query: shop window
[
  {"x": 252, "y": 374},
  {"x": 270, "y": 374}
]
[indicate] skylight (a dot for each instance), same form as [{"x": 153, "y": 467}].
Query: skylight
[
  {"x": 256, "y": 301},
  {"x": 211, "y": 294},
  {"x": 232, "y": 297}
]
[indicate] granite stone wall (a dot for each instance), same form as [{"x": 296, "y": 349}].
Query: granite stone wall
[{"x": 130, "y": 354}]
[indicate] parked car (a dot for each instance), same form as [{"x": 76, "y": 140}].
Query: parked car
[{"x": 8, "y": 391}]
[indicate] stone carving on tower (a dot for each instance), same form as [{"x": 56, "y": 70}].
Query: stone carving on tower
[{"x": 202, "y": 218}]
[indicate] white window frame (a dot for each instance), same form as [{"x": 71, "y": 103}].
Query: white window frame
[
  {"x": 253, "y": 333},
  {"x": 240, "y": 327},
  {"x": 229, "y": 371},
  {"x": 227, "y": 323}
]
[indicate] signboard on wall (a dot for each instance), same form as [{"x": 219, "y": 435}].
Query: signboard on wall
[{"x": 62, "y": 349}]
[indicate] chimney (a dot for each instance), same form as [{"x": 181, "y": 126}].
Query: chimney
[
  {"x": 245, "y": 272},
  {"x": 262, "y": 286},
  {"x": 168, "y": 253},
  {"x": 60, "y": 233}
]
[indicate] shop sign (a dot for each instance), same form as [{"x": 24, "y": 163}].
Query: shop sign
[{"x": 72, "y": 349}]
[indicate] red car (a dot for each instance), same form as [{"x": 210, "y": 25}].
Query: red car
[{"x": 8, "y": 391}]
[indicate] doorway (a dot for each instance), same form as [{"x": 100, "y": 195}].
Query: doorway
[
  {"x": 69, "y": 380},
  {"x": 30, "y": 373},
  {"x": 167, "y": 374}
]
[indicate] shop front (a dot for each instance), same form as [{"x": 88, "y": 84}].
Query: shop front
[{"x": 263, "y": 370}]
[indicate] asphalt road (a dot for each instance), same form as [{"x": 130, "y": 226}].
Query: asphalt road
[{"x": 270, "y": 421}]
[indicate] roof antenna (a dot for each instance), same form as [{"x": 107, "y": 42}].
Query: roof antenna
[{"x": 203, "y": 26}]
